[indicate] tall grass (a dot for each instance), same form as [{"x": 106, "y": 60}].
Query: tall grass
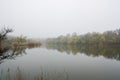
[{"x": 19, "y": 74}]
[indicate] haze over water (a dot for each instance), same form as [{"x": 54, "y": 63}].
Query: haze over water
[{"x": 59, "y": 40}]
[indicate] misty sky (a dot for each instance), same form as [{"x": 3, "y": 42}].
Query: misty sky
[{"x": 51, "y": 18}]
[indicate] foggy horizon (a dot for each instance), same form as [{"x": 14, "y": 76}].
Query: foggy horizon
[
  {"x": 59, "y": 39},
  {"x": 52, "y": 18}
]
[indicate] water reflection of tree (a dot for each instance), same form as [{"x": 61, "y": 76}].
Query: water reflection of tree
[
  {"x": 108, "y": 51},
  {"x": 13, "y": 52}
]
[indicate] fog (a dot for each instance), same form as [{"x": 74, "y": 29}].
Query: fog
[{"x": 51, "y": 18}]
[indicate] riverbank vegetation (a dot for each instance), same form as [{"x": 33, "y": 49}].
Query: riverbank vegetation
[
  {"x": 23, "y": 41},
  {"x": 20, "y": 74},
  {"x": 8, "y": 41},
  {"x": 95, "y": 38}
]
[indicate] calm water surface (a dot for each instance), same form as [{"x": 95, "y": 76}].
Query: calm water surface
[{"x": 61, "y": 63}]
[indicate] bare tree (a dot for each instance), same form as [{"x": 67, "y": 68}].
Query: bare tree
[{"x": 4, "y": 32}]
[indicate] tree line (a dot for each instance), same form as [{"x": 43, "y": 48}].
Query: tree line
[{"x": 107, "y": 37}]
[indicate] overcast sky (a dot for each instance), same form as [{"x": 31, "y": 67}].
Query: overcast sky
[{"x": 51, "y": 18}]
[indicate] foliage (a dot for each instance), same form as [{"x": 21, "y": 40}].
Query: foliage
[
  {"x": 21, "y": 39},
  {"x": 108, "y": 37}
]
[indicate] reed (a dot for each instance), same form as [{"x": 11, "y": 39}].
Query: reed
[
  {"x": 27, "y": 44},
  {"x": 19, "y": 74}
]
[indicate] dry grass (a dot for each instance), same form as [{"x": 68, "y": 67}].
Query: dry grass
[
  {"x": 27, "y": 44},
  {"x": 20, "y": 75}
]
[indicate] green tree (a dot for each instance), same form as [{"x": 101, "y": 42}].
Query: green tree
[{"x": 19, "y": 40}]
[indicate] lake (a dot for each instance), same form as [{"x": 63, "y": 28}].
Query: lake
[{"x": 61, "y": 62}]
